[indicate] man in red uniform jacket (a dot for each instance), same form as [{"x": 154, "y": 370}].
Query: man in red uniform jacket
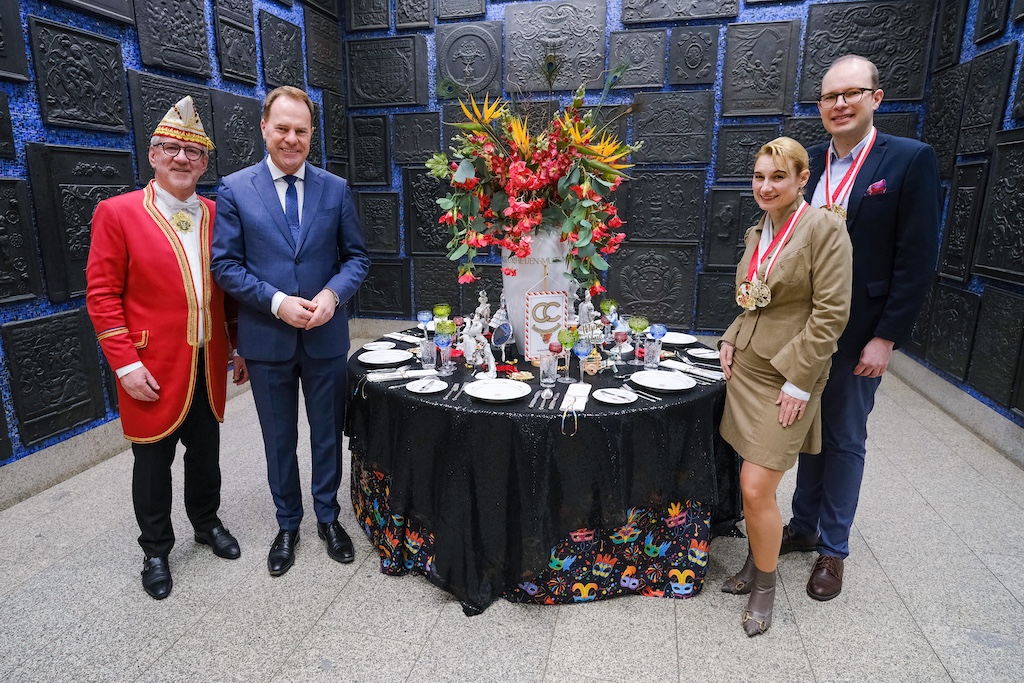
[{"x": 161, "y": 322}]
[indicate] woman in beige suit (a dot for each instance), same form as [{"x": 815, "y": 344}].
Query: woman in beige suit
[{"x": 794, "y": 286}]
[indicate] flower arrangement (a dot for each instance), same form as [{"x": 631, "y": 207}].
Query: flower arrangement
[{"x": 507, "y": 185}]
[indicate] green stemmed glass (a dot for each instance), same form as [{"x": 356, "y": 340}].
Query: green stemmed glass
[
  {"x": 442, "y": 311},
  {"x": 637, "y": 323},
  {"x": 567, "y": 338}
]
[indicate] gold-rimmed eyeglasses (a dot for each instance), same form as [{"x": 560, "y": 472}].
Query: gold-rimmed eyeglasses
[
  {"x": 171, "y": 149},
  {"x": 851, "y": 96}
]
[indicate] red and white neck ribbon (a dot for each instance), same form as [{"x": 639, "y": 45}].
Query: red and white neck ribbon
[
  {"x": 781, "y": 237},
  {"x": 845, "y": 185}
]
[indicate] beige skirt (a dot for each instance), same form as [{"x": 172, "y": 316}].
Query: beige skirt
[{"x": 750, "y": 423}]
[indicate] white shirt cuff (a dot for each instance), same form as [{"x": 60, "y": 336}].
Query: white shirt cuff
[
  {"x": 275, "y": 303},
  {"x": 796, "y": 392},
  {"x": 121, "y": 372}
]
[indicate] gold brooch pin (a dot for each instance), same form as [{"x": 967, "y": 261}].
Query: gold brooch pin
[{"x": 182, "y": 222}]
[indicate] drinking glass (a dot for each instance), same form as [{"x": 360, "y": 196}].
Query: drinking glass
[
  {"x": 620, "y": 337},
  {"x": 582, "y": 349},
  {"x": 567, "y": 338},
  {"x": 652, "y": 346},
  {"x": 424, "y": 317},
  {"x": 442, "y": 311},
  {"x": 638, "y": 324},
  {"x": 428, "y": 354},
  {"x": 447, "y": 328},
  {"x": 443, "y": 341},
  {"x": 607, "y": 306},
  {"x": 549, "y": 368}
]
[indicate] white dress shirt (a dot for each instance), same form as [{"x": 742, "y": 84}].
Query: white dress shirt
[{"x": 838, "y": 168}]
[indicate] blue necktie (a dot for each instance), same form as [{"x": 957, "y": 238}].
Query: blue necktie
[{"x": 291, "y": 207}]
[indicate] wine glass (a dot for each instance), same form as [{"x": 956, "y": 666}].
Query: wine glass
[
  {"x": 607, "y": 317},
  {"x": 442, "y": 311},
  {"x": 652, "y": 347},
  {"x": 638, "y": 324},
  {"x": 424, "y": 317},
  {"x": 447, "y": 328},
  {"x": 582, "y": 349},
  {"x": 567, "y": 338},
  {"x": 619, "y": 336},
  {"x": 443, "y": 341}
]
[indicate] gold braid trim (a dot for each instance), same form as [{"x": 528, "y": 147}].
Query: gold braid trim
[
  {"x": 184, "y": 135},
  {"x": 112, "y": 332}
]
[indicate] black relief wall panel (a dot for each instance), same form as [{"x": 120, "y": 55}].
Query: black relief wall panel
[
  {"x": 330, "y": 7},
  {"x": 370, "y": 153},
  {"x": 693, "y": 55},
  {"x": 902, "y": 124},
  {"x": 335, "y": 125},
  {"x": 999, "y": 252},
  {"x": 469, "y": 59},
  {"x": 387, "y": 71},
  {"x": 416, "y": 137},
  {"x": 536, "y": 112},
  {"x": 152, "y": 96},
  {"x": 13, "y": 62},
  {"x": 67, "y": 184},
  {"x": 737, "y": 146},
  {"x": 55, "y": 374},
  {"x": 79, "y": 76},
  {"x": 7, "y": 150},
  {"x": 954, "y": 316},
  {"x": 991, "y": 19},
  {"x": 918, "y": 343},
  {"x": 436, "y": 280},
  {"x": 730, "y": 213},
  {"x": 118, "y": 10},
  {"x": 236, "y": 127},
  {"x": 414, "y": 14},
  {"x": 807, "y": 130},
  {"x": 895, "y": 34},
  {"x": 423, "y": 234},
  {"x": 1017, "y": 111},
  {"x": 554, "y": 45},
  {"x": 172, "y": 35},
  {"x": 236, "y": 50},
  {"x": 338, "y": 168},
  {"x": 378, "y": 216},
  {"x": 642, "y": 53},
  {"x": 716, "y": 301},
  {"x": 646, "y": 11},
  {"x": 460, "y": 9},
  {"x": 611, "y": 118},
  {"x": 675, "y": 127},
  {"x": 943, "y": 114},
  {"x": 664, "y": 206},
  {"x": 316, "y": 145},
  {"x": 19, "y": 266},
  {"x": 950, "y": 33},
  {"x": 657, "y": 279},
  {"x": 452, "y": 113},
  {"x": 281, "y": 42},
  {"x": 385, "y": 291},
  {"x": 236, "y": 11},
  {"x": 969, "y": 185},
  {"x": 985, "y": 102},
  {"x": 364, "y": 15},
  {"x": 323, "y": 49},
  {"x": 997, "y": 344},
  {"x": 1017, "y": 13},
  {"x": 490, "y": 282},
  {"x": 759, "y": 75}
]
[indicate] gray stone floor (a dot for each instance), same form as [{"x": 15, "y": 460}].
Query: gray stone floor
[{"x": 934, "y": 590}]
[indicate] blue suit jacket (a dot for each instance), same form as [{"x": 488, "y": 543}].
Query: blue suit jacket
[
  {"x": 254, "y": 256},
  {"x": 895, "y": 236}
]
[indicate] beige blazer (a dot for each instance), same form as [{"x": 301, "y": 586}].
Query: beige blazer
[{"x": 811, "y": 285}]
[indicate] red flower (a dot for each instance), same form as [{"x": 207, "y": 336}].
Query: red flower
[
  {"x": 508, "y": 271},
  {"x": 467, "y": 278},
  {"x": 596, "y": 288}
]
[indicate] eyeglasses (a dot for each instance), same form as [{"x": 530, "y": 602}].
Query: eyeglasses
[
  {"x": 851, "y": 96},
  {"x": 171, "y": 149}
]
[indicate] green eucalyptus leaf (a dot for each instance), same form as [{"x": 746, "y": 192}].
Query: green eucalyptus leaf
[
  {"x": 598, "y": 261},
  {"x": 465, "y": 171}
]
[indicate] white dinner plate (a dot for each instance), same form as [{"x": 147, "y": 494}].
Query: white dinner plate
[
  {"x": 378, "y": 346},
  {"x": 385, "y": 357},
  {"x": 497, "y": 390},
  {"x": 427, "y": 385},
  {"x": 662, "y": 381},
  {"x": 677, "y": 339},
  {"x": 614, "y": 396},
  {"x": 701, "y": 352}
]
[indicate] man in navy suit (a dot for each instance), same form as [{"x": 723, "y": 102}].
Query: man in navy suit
[
  {"x": 289, "y": 249},
  {"x": 888, "y": 189}
]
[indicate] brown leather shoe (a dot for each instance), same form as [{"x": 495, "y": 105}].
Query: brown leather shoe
[
  {"x": 793, "y": 542},
  {"x": 826, "y": 580}
]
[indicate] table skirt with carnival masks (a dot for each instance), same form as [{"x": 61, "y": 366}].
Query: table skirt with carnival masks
[{"x": 490, "y": 500}]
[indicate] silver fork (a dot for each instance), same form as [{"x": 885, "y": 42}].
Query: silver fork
[
  {"x": 455, "y": 388},
  {"x": 554, "y": 401},
  {"x": 459, "y": 392},
  {"x": 533, "y": 401}
]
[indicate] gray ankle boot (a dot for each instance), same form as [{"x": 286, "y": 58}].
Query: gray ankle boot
[
  {"x": 740, "y": 582},
  {"x": 757, "y": 617}
]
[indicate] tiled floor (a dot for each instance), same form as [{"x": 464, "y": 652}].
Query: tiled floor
[{"x": 934, "y": 590}]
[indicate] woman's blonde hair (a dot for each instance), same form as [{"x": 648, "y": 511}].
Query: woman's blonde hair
[{"x": 785, "y": 151}]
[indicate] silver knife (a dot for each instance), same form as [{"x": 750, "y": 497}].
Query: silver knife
[
  {"x": 459, "y": 392},
  {"x": 554, "y": 401},
  {"x": 454, "y": 388},
  {"x": 533, "y": 401}
]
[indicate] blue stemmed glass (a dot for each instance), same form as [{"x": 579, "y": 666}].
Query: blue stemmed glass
[
  {"x": 444, "y": 345},
  {"x": 424, "y": 317},
  {"x": 657, "y": 331},
  {"x": 582, "y": 349}
]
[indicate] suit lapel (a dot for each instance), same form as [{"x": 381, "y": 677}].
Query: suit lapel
[
  {"x": 865, "y": 177},
  {"x": 267, "y": 192},
  {"x": 314, "y": 189},
  {"x": 817, "y": 168}
]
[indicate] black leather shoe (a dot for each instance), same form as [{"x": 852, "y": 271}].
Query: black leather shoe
[
  {"x": 221, "y": 541},
  {"x": 282, "y": 552},
  {"x": 339, "y": 545},
  {"x": 793, "y": 542},
  {"x": 156, "y": 577}
]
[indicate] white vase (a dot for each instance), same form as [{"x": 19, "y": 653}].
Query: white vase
[{"x": 546, "y": 251}]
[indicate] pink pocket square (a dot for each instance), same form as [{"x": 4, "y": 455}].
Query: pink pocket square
[{"x": 876, "y": 188}]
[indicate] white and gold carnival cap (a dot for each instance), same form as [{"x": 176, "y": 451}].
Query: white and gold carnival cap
[{"x": 182, "y": 122}]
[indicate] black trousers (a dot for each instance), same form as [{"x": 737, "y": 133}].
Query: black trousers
[{"x": 151, "y": 480}]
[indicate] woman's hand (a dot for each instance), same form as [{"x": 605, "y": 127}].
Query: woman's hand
[
  {"x": 790, "y": 409},
  {"x": 725, "y": 350}
]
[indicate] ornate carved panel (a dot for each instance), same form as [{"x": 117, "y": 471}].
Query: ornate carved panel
[
  {"x": 675, "y": 127},
  {"x": 152, "y": 96},
  {"x": 730, "y": 213},
  {"x": 985, "y": 103},
  {"x": 997, "y": 344},
  {"x": 385, "y": 291},
  {"x": 55, "y": 373},
  {"x": 19, "y": 266},
  {"x": 807, "y": 130},
  {"x": 990, "y": 20},
  {"x": 328, "y": 6},
  {"x": 950, "y": 30},
  {"x": 943, "y": 114},
  {"x": 469, "y": 59},
  {"x": 554, "y": 45},
  {"x": 80, "y": 77},
  {"x": 416, "y": 137},
  {"x": 693, "y": 55},
  {"x": 612, "y": 118},
  {"x": 646, "y": 11},
  {"x": 954, "y": 315},
  {"x": 902, "y": 123},
  {"x": 338, "y": 168},
  {"x": 918, "y": 344},
  {"x": 7, "y": 150},
  {"x": 172, "y": 35},
  {"x": 999, "y": 252},
  {"x": 962, "y": 221},
  {"x": 281, "y": 42},
  {"x": 13, "y": 63},
  {"x": 378, "y": 215},
  {"x": 414, "y": 14},
  {"x": 387, "y": 71},
  {"x": 335, "y": 125},
  {"x": 759, "y": 75},
  {"x": 236, "y": 50},
  {"x": 1017, "y": 13},
  {"x": 716, "y": 301},
  {"x": 450, "y": 113},
  {"x": 1018, "y": 98},
  {"x": 370, "y": 153},
  {"x": 435, "y": 281},
  {"x": 536, "y": 112},
  {"x": 657, "y": 279},
  {"x": 237, "y": 11},
  {"x": 895, "y": 34},
  {"x": 316, "y": 145},
  {"x": 423, "y": 234},
  {"x": 664, "y": 206},
  {"x": 737, "y": 146},
  {"x": 365, "y": 15},
  {"x": 67, "y": 184},
  {"x": 643, "y": 55},
  {"x": 118, "y": 10},
  {"x": 323, "y": 49},
  {"x": 236, "y": 127},
  {"x": 460, "y": 9}
]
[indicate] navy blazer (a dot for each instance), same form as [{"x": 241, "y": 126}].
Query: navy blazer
[
  {"x": 254, "y": 256},
  {"x": 895, "y": 236}
]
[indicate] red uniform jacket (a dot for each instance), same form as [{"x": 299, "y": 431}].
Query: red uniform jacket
[{"x": 144, "y": 307}]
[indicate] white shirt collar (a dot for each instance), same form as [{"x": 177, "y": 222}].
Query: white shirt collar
[
  {"x": 277, "y": 173},
  {"x": 856, "y": 148},
  {"x": 172, "y": 203}
]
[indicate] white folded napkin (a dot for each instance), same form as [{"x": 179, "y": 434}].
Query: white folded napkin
[
  {"x": 699, "y": 372},
  {"x": 405, "y": 374},
  {"x": 575, "y": 397},
  {"x": 402, "y": 337}
]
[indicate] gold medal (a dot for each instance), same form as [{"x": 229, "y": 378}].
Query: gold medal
[
  {"x": 836, "y": 209},
  {"x": 745, "y": 296},
  {"x": 182, "y": 222},
  {"x": 762, "y": 294}
]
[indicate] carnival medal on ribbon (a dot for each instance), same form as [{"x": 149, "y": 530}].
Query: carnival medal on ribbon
[
  {"x": 182, "y": 222},
  {"x": 834, "y": 200},
  {"x": 754, "y": 292}
]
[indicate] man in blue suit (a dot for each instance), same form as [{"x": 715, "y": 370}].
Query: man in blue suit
[
  {"x": 888, "y": 189},
  {"x": 289, "y": 249}
]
